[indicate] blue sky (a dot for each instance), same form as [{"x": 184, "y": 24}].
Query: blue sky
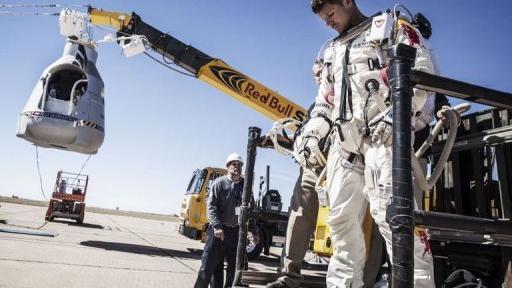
[{"x": 161, "y": 125}]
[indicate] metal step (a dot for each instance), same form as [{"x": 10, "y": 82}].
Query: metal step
[
  {"x": 57, "y": 214},
  {"x": 262, "y": 278}
]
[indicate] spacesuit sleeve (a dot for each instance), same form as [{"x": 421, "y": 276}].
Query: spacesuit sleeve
[
  {"x": 320, "y": 122},
  {"x": 441, "y": 100},
  {"x": 407, "y": 34}
]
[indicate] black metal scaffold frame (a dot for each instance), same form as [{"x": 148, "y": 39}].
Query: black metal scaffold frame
[{"x": 401, "y": 214}]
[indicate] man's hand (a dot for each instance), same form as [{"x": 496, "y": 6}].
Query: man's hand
[
  {"x": 307, "y": 152},
  {"x": 266, "y": 141},
  {"x": 443, "y": 115},
  {"x": 218, "y": 233},
  {"x": 383, "y": 133}
]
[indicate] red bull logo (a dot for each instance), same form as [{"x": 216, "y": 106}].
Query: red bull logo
[{"x": 241, "y": 84}]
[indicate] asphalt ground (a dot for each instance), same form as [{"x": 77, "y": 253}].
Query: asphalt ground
[{"x": 106, "y": 251}]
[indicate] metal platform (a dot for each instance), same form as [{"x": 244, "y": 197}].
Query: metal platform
[{"x": 262, "y": 278}]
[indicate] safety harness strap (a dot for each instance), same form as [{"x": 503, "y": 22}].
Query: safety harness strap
[
  {"x": 351, "y": 157},
  {"x": 346, "y": 89}
]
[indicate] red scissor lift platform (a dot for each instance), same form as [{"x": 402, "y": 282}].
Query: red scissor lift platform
[{"x": 68, "y": 198}]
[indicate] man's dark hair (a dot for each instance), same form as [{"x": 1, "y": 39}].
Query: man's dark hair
[{"x": 317, "y": 5}]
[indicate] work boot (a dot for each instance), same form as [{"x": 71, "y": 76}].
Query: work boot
[{"x": 277, "y": 284}]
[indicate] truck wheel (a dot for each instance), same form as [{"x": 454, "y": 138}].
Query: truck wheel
[
  {"x": 254, "y": 244},
  {"x": 82, "y": 214},
  {"x": 49, "y": 211}
]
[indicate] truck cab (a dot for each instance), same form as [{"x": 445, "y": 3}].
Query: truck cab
[{"x": 193, "y": 216}]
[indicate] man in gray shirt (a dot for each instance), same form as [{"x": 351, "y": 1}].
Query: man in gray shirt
[{"x": 223, "y": 205}]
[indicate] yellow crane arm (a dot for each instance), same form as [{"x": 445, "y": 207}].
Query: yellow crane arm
[
  {"x": 211, "y": 70},
  {"x": 115, "y": 20}
]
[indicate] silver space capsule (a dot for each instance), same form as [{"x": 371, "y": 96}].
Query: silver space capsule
[{"x": 66, "y": 109}]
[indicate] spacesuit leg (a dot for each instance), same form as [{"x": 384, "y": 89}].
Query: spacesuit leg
[
  {"x": 379, "y": 192},
  {"x": 347, "y": 207}
]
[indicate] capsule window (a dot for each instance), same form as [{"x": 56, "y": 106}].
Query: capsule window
[{"x": 64, "y": 80}]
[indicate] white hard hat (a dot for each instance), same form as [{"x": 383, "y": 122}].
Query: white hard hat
[{"x": 234, "y": 157}]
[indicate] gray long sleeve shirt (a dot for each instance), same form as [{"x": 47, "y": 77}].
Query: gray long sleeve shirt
[{"x": 223, "y": 198}]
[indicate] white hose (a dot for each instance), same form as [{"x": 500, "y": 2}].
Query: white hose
[
  {"x": 72, "y": 98},
  {"x": 279, "y": 126},
  {"x": 427, "y": 183},
  {"x": 321, "y": 190},
  {"x": 461, "y": 108}
]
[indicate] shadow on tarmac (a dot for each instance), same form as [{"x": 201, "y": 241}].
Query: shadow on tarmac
[
  {"x": 271, "y": 261},
  {"x": 84, "y": 225},
  {"x": 141, "y": 249}
]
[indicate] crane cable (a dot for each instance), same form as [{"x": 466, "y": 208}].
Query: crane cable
[
  {"x": 42, "y": 191},
  {"x": 41, "y": 178},
  {"x": 39, "y": 173},
  {"x": 51, "y": 6},
  {"x": 7, "y": 13},
  {"x": 41, "y": 185},
  {"x": 83, "y": 166},
  {"x": 39, "y": 5},
  {"x": 163, "y": 62},
  {"x": 168, "y": 66}
]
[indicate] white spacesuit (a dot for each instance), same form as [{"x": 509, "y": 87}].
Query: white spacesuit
[{"x": 352, "y": 110}]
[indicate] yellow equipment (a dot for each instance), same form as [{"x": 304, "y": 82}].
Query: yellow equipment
[
  {"x": 322, "y": 244},
  {"x": 211, "y": 70},
  {"x": 193, "y": 207}
]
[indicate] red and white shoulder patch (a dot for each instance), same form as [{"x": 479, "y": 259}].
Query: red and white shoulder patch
[{"x": 412, "y": 35}]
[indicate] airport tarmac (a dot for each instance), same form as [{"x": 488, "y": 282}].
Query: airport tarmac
[{"x": 106, "y": 251}]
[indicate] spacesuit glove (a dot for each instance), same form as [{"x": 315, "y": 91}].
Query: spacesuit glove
[
  {"x": 382, "y": 133},
  {"x": 308, "y": 153},
  {"x": 443, "y": 116}
]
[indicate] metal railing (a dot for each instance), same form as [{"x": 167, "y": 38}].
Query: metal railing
[{"x": 402, "y": 80}]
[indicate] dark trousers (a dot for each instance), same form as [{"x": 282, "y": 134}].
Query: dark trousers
[{"x": 212, "y": 264}]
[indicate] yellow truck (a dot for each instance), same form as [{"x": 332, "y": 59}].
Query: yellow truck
[
  {"x": 193, "y": 207},
  {"x": 268, "y": 223}
]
